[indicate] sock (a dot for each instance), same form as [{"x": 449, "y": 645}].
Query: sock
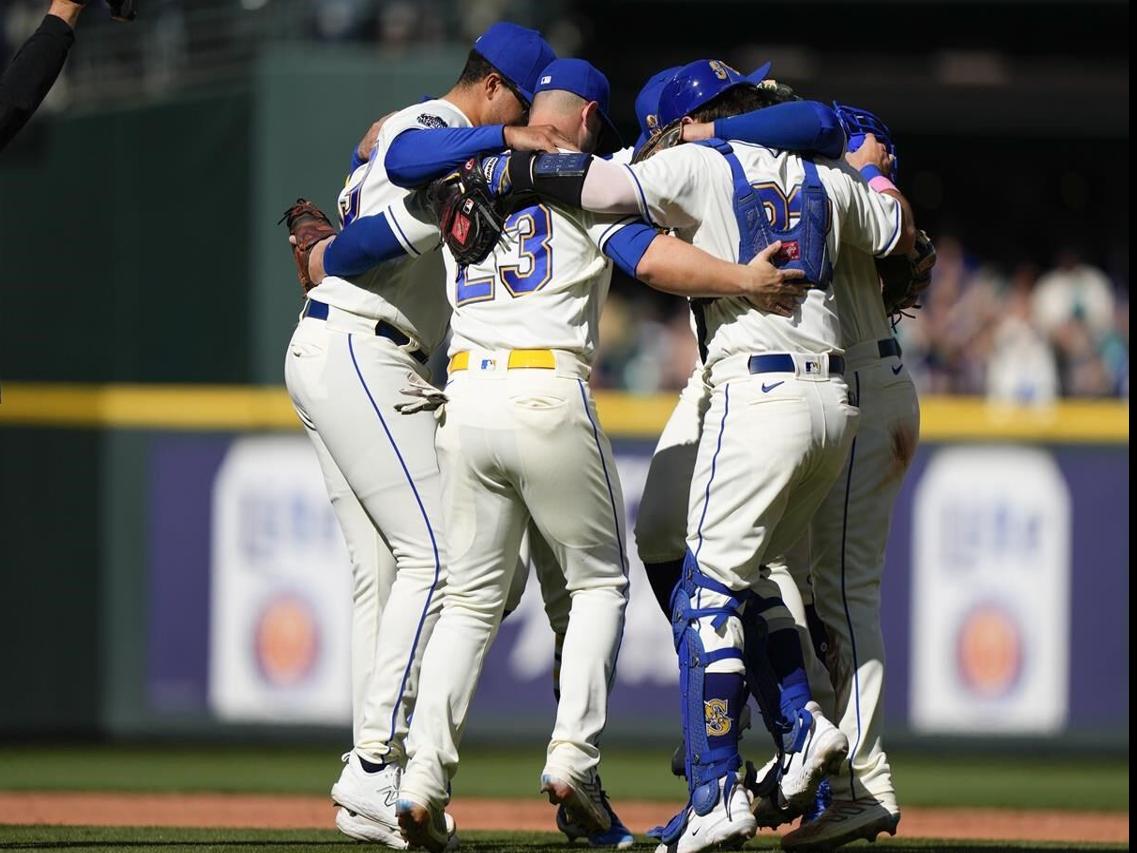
[
  {"x": 369, "y": 766},
  {"x": 663, "y": 577},
  {"x": 784, "y": 651}
]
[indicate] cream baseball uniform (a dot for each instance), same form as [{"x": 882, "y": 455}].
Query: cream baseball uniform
[
  {"x": 849, "y": 531},
  {"x": 344, "y": 379},
  {"x": 520, "y": 441},
  {"x": 772, "y": 443}
]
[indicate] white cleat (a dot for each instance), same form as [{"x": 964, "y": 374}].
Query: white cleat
[
  {"x": 825, "y": 748},
  {"x": 845, "y": 821},
  {"x": 359, "y": 828},
  {"x": 583, "y": 801},
  {"x": 727, "y": 826},
  {"x": 372, "y": 795}
]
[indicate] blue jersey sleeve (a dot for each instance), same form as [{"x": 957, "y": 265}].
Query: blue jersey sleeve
[
  {"x": 628, "y": 245},
  {"x": 416, "y": 157},
  {"x": 806, "y": 126},
  {"x": 364, "y": 243}
]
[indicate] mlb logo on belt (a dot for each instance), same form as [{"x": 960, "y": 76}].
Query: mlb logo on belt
[
  {"x": 487, "y": 364},
  {"x": 812, "y": 367}
]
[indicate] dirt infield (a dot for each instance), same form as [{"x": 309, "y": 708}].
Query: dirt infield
[{"x": 306, "y": 812}]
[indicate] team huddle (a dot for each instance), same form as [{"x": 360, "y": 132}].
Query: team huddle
[{"x": 496, "y": 213}]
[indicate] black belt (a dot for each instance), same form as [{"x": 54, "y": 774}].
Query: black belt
[
  {"x": 782, "y": 362},
  {"x": 888, "y": 347},
  {"x": 319, "y": 311}
]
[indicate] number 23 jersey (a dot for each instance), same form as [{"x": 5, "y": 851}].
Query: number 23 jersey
[{"x": 542, "y": 287}]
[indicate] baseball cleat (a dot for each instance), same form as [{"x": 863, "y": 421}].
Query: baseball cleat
[
  {"x": 727, "y": 826},
  {"x": 370, "y": 794},
  {"x": 425, "y": 827},
  {"x": 842, "y": 822},
  {"x": 824, "y": 749},
  {"x": 357, "y": 827},
  {"x": 584, "y": 802},
  {"x": 617, "y": 836}
]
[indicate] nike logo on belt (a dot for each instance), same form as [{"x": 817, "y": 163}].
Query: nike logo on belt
[
  {"x": 766, "y": 389},
  {"x": 897, "y": 369}
]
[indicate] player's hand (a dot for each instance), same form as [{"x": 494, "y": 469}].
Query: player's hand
[
  {"x": 773, "y": 290},
  {"x": 316, "y": 259},
  {"x": 870, "y": 152},
  {"x": 363, "y": 150},
  {"x": 541, "y": 137}
]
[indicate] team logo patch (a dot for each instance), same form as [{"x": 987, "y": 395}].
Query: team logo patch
[
  {"x": 718, "y": 720},
  {"x": 652, "y": 121},
  {"x": 430, "y": 120},
  {"x": 790, "y": 251},
  {"x": 721, "y": 69}
]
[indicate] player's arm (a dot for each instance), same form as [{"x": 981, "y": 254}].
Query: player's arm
[
  {"x": 808, "y": 127},
  {"x": 418, "y": 156},
  {"x": 663, "y": 190},
  {"x": 868, "y": 210},
  {"x": 673, "y": 266},
  {"x": 404, "y": 229}
]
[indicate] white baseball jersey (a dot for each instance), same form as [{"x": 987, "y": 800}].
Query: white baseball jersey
[
  {"x": 856, "y": 287},
  {"x": 689, "y": 189},
  {"x": 406, "y": 292},
  {"x": 541, "y": 288}
]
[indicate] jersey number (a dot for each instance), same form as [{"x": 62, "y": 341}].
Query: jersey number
[
  {"x": 533, "y": 228},
  {"x": 780, "y": 208}
]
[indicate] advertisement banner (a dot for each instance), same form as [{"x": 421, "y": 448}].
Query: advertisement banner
[
  {"x": 990, "y": 593},
  {"x": 280, "y": 609}
]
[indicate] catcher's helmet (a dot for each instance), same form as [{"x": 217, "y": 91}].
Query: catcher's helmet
[
  {"x": 857, "y": 122},
  {"x": 699, "y": 82}
]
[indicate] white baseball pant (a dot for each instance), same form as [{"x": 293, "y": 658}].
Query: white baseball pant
[
  {"x": 344, "y": 381},
  {"x": 517, "y": 445},
  {"x": 848, "y": 537}
]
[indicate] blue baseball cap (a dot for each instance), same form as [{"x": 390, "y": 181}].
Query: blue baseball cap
[
  {"x": 695, "y": 84},
  {"x": 647, "y": 101},
  {"x": 585, "y": 80},
  {"x": 519, "y": 54},
  {"x": 760, "y": 73}
]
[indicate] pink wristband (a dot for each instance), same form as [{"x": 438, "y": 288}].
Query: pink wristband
[{"x": 882, "y": 184}]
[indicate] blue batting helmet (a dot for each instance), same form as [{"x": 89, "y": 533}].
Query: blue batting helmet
[
  {"x": 697, "y": 83},
  {"x": 857, "y": 122}
]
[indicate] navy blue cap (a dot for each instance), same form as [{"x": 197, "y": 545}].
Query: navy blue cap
[
  {"x": 518, "y": 53},
  {"x": 585, "y": 80},
  {"x": 695, "y": 84}
]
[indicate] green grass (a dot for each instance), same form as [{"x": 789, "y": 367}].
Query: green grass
[
  {"x": 1024, "y": 781},
  {"x": 84, "y": 838}
]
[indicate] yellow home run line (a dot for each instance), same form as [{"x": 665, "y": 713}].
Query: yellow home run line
[{"x": 202, "y": 408}]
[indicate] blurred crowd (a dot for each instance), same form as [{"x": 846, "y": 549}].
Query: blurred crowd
[{"x": 1024, "y": 337}]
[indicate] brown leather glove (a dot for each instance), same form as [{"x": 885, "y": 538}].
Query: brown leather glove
[{"x": 308, "y": 225}]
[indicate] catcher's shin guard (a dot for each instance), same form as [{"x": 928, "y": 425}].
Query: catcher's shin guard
[{"x": 710, "y": 722}]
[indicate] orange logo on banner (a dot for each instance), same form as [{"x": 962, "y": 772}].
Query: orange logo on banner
[
  {"x": 989, "y": 650},
  {"x": 286, "y": 640}
]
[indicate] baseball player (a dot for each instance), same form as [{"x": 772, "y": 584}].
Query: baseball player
[
  {"x": 849, "y": 533},
  {"x": 778, "y": 378},
  {"x": 519, "y": 440},
  {"x": 359, "y": 337}
]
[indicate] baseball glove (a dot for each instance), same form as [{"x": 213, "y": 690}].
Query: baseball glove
[
  {"x": 308, "y": 225},
  {"x": 469, "y": 214},
  {"x": 903, "y": 278},
  {"x": 669, "y": 137}
]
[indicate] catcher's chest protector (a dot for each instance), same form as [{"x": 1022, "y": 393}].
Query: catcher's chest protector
[{"x": 803, "y": 245}]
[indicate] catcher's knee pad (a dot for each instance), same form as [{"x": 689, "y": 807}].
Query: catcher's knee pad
[{"x": 705, "y": 765}]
